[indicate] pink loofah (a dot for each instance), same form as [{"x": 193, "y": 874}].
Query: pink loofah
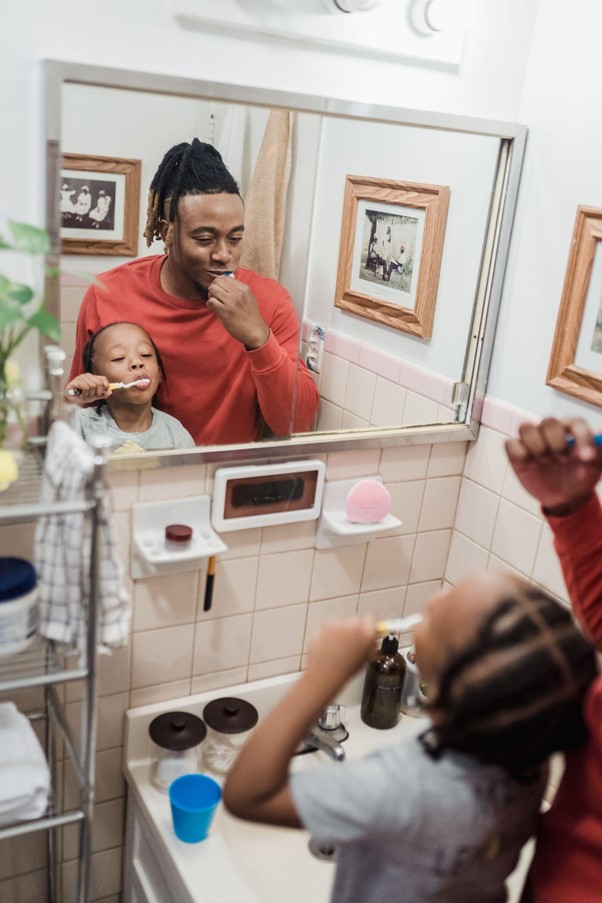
[{"x": 368, "y": 502}]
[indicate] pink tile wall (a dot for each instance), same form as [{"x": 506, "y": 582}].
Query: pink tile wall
[{"x": 362, "y": 386}]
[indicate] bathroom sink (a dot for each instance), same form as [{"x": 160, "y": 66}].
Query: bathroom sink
[{"x": 239, "y": 860}]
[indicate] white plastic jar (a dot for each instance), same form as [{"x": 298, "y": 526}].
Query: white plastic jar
[{"x": 18, "y": 605}]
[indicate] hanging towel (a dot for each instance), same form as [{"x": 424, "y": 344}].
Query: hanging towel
[
  {"x": 62, "y": 552},
  {"x": 265, "y": 205},
  {"x": 24, "y": 772}
]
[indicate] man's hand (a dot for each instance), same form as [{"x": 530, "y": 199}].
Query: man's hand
[
  {"x": 561, "y": 476},
  {"x": 234, "y": 304}
]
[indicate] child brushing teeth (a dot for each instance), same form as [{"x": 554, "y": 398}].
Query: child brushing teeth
[{"x": 123, "y": 353}]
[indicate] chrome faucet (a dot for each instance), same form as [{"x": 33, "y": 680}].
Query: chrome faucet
[{"x": 327, "y": 734}]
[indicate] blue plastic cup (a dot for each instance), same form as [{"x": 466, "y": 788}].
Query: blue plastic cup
[{"x": 194, "y": 799}]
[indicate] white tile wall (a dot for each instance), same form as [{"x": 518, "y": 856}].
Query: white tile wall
[{"x": 462, "y": 510}]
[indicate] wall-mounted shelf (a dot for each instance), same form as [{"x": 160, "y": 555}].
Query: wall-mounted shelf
[
  {"x": 334, "y": 528},
  {"x": 150, "y": 555}
]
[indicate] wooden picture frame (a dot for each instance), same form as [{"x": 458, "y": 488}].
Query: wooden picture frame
[
  {"x": 390, "y": 252},
  {"x": 576, "y": 359},
  {"x": 99, "y": 203}
]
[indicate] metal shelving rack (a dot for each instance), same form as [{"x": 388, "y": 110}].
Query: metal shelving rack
[{"x": 44, "y": 667}]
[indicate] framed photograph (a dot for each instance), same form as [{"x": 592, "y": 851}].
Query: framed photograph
[
  {"x": 390, "y": 252},
  {"x": 99, "y": 204},
  {"x": 576, "y": 358}
]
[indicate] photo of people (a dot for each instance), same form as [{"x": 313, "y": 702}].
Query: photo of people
[
  {"x": 388, "y": 249},
  {"x": 86, "y": 203}
]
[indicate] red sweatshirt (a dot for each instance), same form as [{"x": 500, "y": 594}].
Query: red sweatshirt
[
  {"x": 214, "y": 386},
  {"x": 567, "y": 867}
]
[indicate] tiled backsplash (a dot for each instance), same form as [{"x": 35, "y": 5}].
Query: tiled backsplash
[{"x": 362, "y": 386}]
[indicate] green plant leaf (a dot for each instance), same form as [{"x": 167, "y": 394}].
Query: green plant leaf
[
  {"x": 46, "y": 323},
  {"x": 20, "y": 293},
  {"x": 14, "y": 291},
  {"x": 29, "y": 239},
  {"x": 4, "y": 244},
  {"x": 11, "y": 313}
]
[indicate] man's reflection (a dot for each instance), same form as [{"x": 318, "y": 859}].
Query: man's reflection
[{"x": 229, "y": 337}]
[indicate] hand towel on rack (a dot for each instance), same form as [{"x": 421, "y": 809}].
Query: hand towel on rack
[
  {"x": 24, "y": 772},
  {"x": 63, "y": 551}
]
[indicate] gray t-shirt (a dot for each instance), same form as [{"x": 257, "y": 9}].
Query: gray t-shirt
[
  {"x": 412, "y": 829},
  {"x": 164, "y": 432}
]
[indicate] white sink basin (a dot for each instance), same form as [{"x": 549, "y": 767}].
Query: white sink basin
[{"x": 239, "y": 860}]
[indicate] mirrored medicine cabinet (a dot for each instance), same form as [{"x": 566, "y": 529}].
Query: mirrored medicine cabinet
[{"x": 478, "y": 161}]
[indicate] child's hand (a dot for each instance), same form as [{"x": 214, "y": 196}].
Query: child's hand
[
  {"x": 88, "y": 387},
  {"x": 557, "y": 475},
  {"x": 340, "y": 649}
]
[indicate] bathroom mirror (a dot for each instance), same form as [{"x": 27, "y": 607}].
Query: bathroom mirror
[{"x": 379, "y": 385}]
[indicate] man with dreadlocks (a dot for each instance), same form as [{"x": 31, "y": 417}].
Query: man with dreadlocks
[
  {"x": 441, "y": 814},
  {"x": 229, "y": 337},
  {"x": 559, "y": 463}
]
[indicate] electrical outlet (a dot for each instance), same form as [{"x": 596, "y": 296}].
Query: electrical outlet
[{"x": 315, "y": 347}]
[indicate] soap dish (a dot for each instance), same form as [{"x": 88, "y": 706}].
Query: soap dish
[
  {"x": 334, "y": 527},
  {"x": 151, "y": 555}
]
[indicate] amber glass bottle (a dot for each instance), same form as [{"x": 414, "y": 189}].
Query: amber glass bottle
[{"x": 382, "y": 686}]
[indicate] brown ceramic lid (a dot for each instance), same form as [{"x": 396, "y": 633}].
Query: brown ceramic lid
[
  {"x": 177, "y": 730},
  {"x": 230, "y": 715}
]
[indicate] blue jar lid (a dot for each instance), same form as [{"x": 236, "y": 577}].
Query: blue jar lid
[{"x": 17, "y": 577}]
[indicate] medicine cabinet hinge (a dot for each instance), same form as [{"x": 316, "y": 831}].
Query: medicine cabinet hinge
[{"x": 460, "y": 398}]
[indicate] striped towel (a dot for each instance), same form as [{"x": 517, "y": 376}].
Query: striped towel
[{"x": 62, "y": 552}]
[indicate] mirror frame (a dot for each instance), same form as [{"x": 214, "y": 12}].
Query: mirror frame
[{"x": 469, "y": 391}]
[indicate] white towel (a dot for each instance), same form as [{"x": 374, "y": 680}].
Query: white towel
[
  {"x": 63, "y": 552},
  {"x": 24, "y": 772}
]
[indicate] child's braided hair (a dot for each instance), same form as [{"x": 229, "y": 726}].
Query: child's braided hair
[{"x": 515, "y": 694}]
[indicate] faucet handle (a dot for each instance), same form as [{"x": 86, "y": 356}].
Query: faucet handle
[{"x": 330, "y": 717}]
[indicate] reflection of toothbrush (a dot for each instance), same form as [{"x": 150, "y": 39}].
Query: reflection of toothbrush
[
  {"x": 397, "y": 625},
  {"x": 143, "y": 383}
]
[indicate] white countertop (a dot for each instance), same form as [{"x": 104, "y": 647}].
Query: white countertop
[{"x": 243, "y": 861}]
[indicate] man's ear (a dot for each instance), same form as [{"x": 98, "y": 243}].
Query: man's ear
[{"x": 163, "y": 227}]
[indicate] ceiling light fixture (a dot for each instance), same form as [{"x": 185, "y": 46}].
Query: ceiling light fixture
[{"x": 350, "y": 6}]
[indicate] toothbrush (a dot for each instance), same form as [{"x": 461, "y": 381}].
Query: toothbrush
[
  {"x": 570, "y": 440},
  {"x": 137, "y": 382},
  {"x": 397, "y": 625}
]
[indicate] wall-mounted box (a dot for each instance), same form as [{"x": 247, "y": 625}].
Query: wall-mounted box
[{"x": 266, "y": 494}]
